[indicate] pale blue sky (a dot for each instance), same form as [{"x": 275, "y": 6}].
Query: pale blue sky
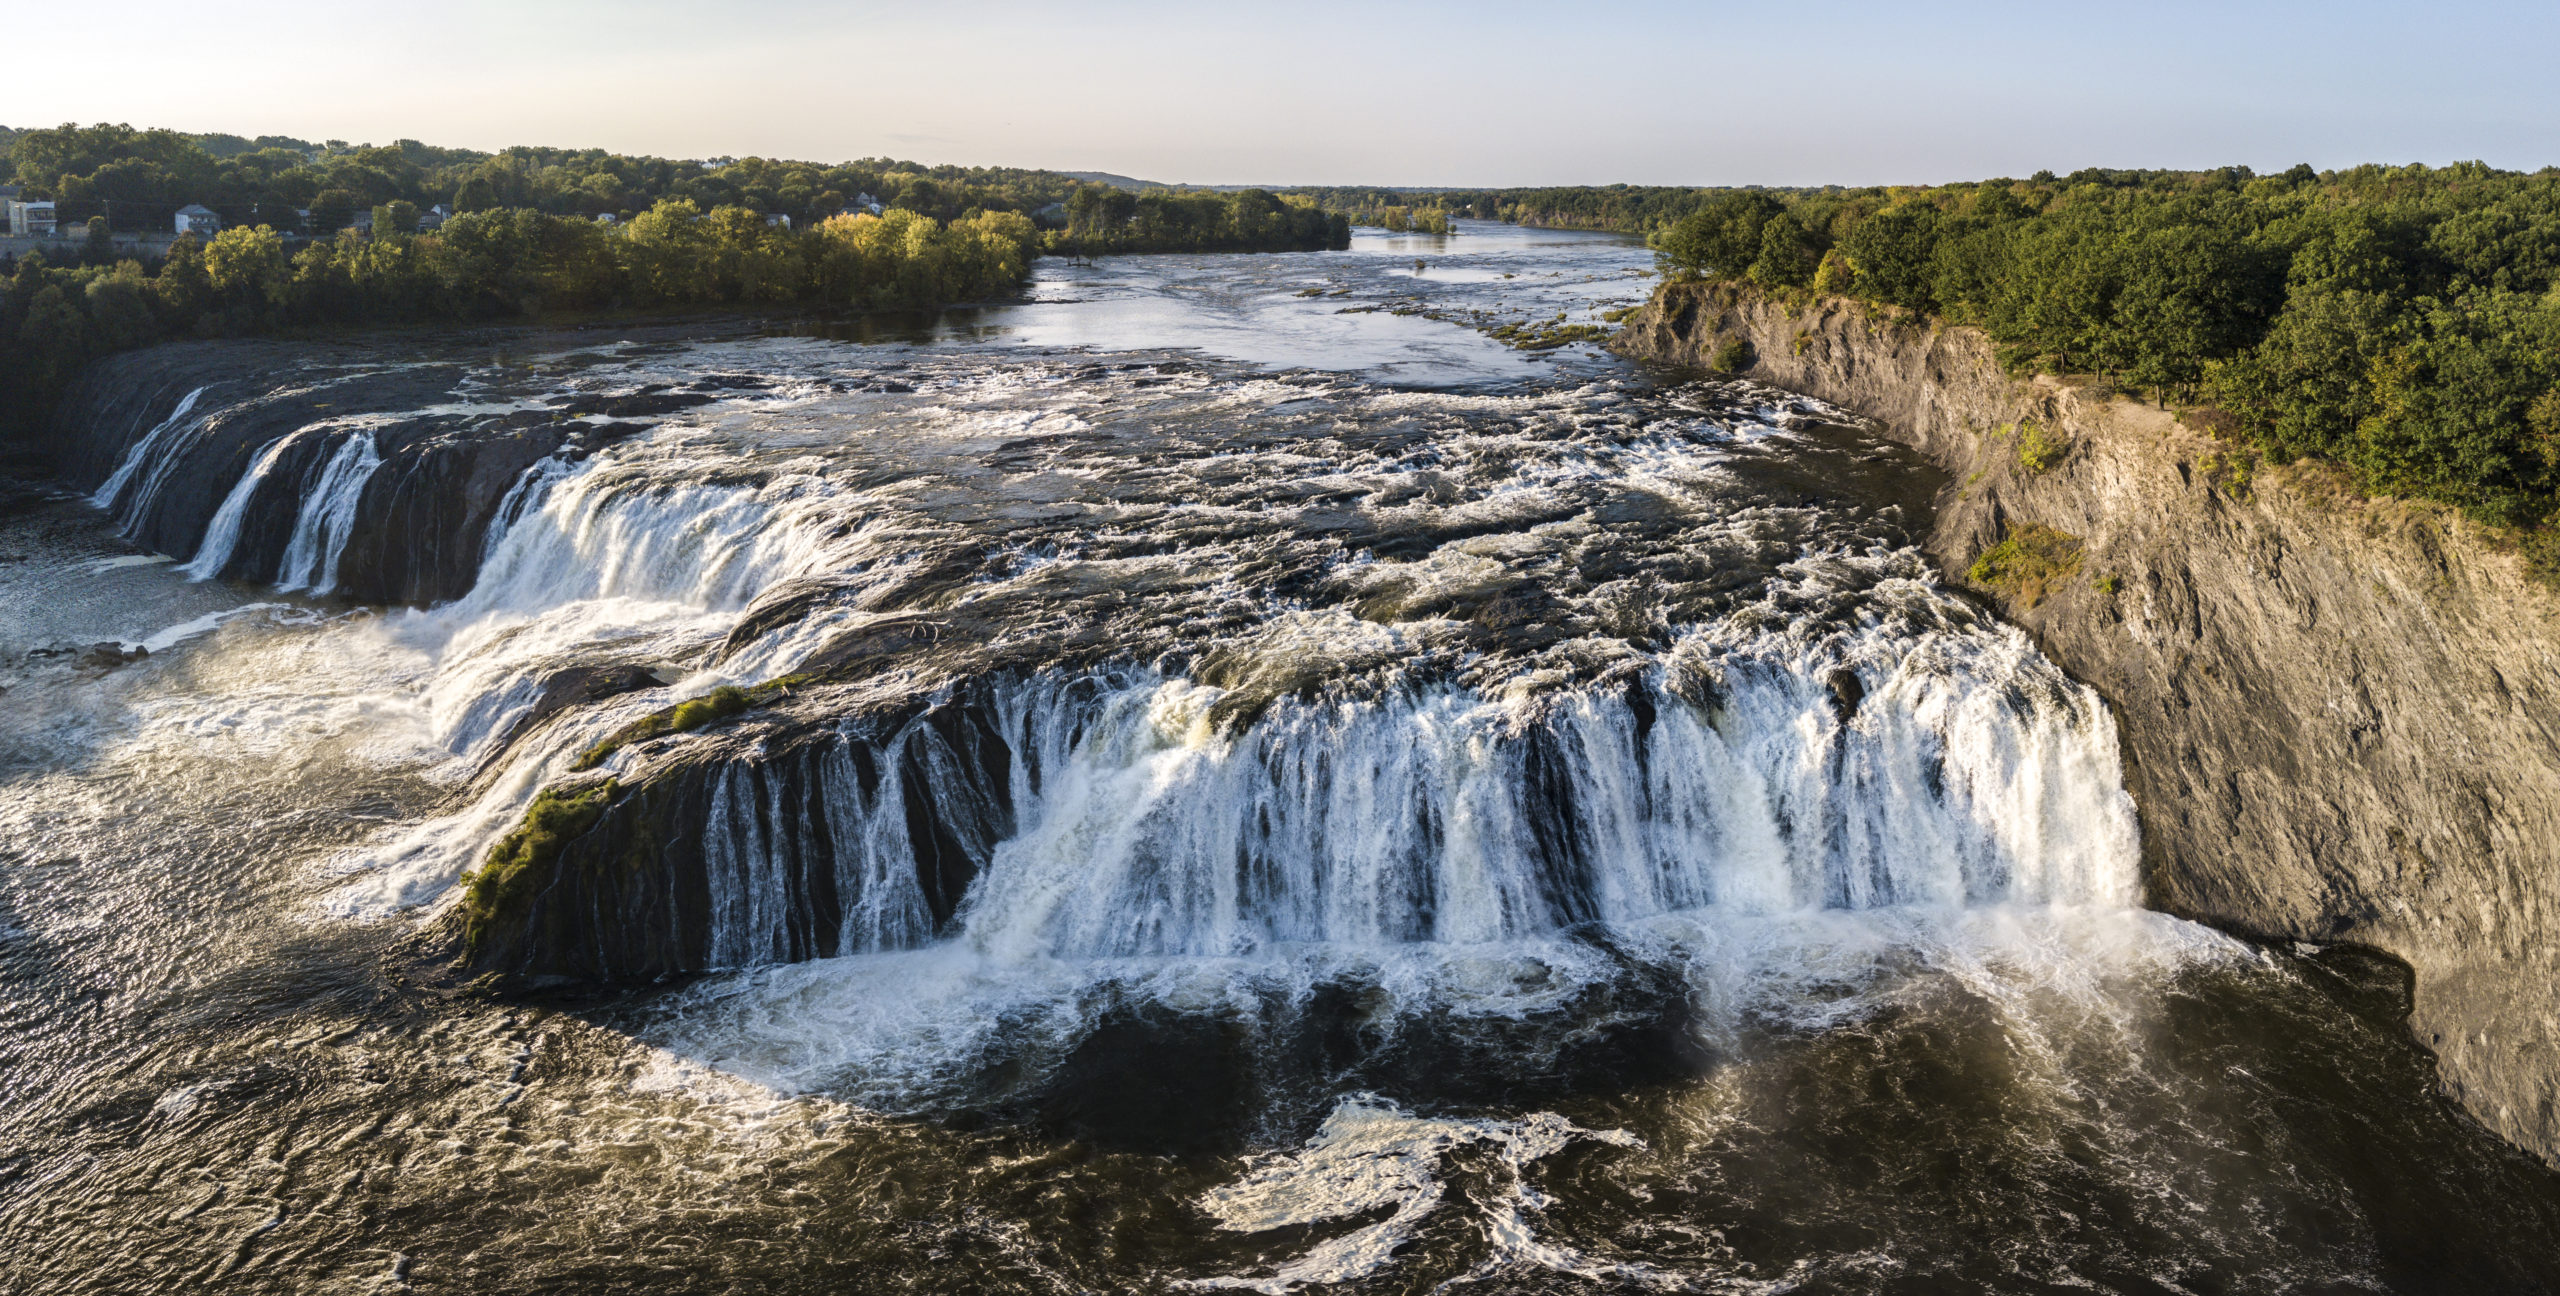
[{"x": 1420, "y": 94}]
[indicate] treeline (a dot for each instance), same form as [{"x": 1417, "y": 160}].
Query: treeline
[
  {"x": 138, "y": 179},
  {"x": 1625, "y": 209},
  {"x": 2399, "y": 321},
  {"x": 485, "y": 266},
  {"x": 1404, "y": 219},
  {"x": 1102, "y": 219}
]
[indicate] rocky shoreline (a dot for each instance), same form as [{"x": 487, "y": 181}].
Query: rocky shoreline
[{"x": 2341, "y": 715}]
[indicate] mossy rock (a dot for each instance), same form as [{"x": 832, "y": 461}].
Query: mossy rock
[
  {"x": 523, "y": 861},
  {"x": 684, "y": 717}
]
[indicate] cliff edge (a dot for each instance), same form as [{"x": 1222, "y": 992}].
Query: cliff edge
[{"x": 2339, "y": 713}]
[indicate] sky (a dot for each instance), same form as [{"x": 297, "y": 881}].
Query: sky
[{"x": 1475, "y": 94}]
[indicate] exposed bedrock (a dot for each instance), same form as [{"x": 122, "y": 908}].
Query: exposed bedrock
[
  {"x": 772, "y": 840},
  {"x": 2338, "y": 712}
]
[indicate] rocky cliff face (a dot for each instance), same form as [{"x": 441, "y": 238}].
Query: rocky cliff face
[{"x": 2339, "y": 712}]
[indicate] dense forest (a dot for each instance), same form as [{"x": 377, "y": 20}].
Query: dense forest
[
  {"x": 2402, "y": 322},
  {"x": 1102, "y": 219},
  {"x": 1626, "y": 209},
  {"x": 508, "y": 263},
  {"x": 531, "y": 238},
  {"x": 138, "y": 179}
]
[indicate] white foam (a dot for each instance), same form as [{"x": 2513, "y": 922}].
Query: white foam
[{"x": 1372, "y": 1154}]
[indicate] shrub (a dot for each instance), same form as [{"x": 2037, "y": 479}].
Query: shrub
[
  {"x": 2542, "y": 555},
  {"x": 2040, "y": 447},
  {"x": 2027, "y": 563},
  {"x": 1733, "y": 355}
]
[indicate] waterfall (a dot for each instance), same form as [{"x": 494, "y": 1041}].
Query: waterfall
[
  {"x": 222, "y": 535},
  {"x": 145, "y": 451},
  {"x": 1972, "y": 774},
  {"x": 327, "y": 515},
  {"x": 596, "y": 534}
]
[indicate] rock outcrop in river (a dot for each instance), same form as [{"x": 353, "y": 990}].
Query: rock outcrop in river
[{"x": 2339, "y": 712}]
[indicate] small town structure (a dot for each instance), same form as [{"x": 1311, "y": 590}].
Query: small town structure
[
  {"x": 199, "y": 220},
  {"x": 781, "y": 220},
  {"x": 604, "y": 218},
  {"x": 31, "y": 219}
]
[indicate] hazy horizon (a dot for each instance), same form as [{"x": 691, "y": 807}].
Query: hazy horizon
[{"x": 1429, "y": 95}]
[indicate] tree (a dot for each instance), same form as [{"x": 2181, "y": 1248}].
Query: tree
[
  {"x": 1723, "y": 237},
  {"x": 475, "y": 194},
  {"x": 1788, "y": 253},
  {"x": 331, "y": 210},
  {"x": 247, "y": 265},
  {"x": 395, "y": 218}
]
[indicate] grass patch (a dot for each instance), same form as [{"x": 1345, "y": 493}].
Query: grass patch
[
  {"x": 1619, "y": 316},
  {"x": 2108, "y": 584},
  {"x": 523, "y": 860},
  {"x": 2028, "y": 563},
  {"x": 2040, "y": 447}
]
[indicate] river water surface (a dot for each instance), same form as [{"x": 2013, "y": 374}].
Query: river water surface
[{"x": 1472, "y": 819}]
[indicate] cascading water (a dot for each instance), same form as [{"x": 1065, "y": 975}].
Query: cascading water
[
  {"x": 1362, "y": 810},
  {"x": 327, "y": 515},
  {"x": 151, "y": 454}
]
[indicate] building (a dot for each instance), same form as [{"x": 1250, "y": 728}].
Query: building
[
  {"x": 31, "y": 219},
  {"x": 197, "y": 219},
  {"x": 604, "y": 218},
  {"x": 779, "y": 220}
]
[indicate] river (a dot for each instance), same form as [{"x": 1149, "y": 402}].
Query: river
[{"x": 1269, "y": 788}]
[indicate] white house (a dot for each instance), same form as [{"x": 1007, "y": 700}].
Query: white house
[
  {"x": 195, "y": 218},
  {"x": 604, "y": 218},
  {"x": 434, "y": 217},
  {"x": 31, "y": 219},
  {"x": 778, "y": 219}
]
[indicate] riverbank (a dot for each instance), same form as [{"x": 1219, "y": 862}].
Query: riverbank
[{"x": 2337, "y": 711}]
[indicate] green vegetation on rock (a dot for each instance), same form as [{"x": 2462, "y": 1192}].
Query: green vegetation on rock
[
  {"x": 684, "y": 717},
  {"x": 2040, "y": 447},
  {"x": 522, "y": 862},
  {"x": 2027, "y": 563}
]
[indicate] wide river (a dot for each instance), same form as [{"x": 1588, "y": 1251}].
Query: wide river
[{"x": 1275, "y": 789}]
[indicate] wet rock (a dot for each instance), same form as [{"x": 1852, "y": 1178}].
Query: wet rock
[
  {"x": 764, "y": 841},
  {"x": 1847, "y": 691},
  {"x": 108, "y": 656},
  {"x": 576, "y": 686}
]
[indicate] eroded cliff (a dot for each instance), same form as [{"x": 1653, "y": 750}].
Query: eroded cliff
[{"x": 2338, "y": 712}]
